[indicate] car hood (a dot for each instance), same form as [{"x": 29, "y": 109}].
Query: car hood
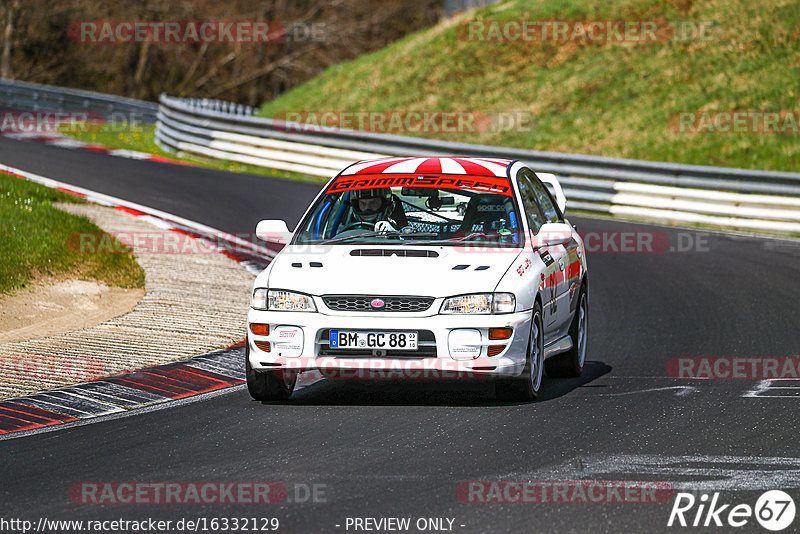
[{"x": 384, "y": 270}]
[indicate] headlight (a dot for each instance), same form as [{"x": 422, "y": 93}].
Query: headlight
[
  {"x": 290, "y": 301},
  {"x": 259, "y": 300},
  {"x": 279, "y": 300},
  {"x": 480, "y": 303}
]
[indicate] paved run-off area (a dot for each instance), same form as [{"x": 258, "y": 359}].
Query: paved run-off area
[{"x": 195, "y": 301}]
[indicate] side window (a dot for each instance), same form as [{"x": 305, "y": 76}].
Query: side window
[
  {"x": 528, "y": 195},
  {"x": 329, "y": 215},
  {"x": 545, "y": 201}
]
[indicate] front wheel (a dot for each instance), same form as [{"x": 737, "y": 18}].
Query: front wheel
[
  {"x": 526, "y": 386},
  {"x": 268, "y": 385},
  {"x": 570, "y": 364}
]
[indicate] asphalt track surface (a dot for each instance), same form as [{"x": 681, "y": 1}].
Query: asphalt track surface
[{"x": 400, "y": 449}]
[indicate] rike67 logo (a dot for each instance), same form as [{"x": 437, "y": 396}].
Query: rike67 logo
[{"x": 774, "y": 510}]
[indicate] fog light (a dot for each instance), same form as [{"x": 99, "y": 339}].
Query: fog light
[
  {"x": 259, "y": 329},
  {"x": 263, "y": 345},
  {"x": 500, "y": 333},
  {"x": 288, "y": 341},
  {"x": 494, "y": 350},
  {"x": 464, "y": 343}
]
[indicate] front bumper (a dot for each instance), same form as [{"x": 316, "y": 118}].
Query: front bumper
[{"x": 299, "y": 341}]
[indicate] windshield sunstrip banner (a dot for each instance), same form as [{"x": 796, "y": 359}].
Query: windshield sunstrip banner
[{"x": 480, "y": 184}]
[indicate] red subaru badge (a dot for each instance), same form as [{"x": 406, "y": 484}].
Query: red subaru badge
[{"x": 377, "y": 303}]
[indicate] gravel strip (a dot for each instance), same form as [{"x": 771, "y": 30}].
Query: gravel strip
[{"x": 194, "y": 303}]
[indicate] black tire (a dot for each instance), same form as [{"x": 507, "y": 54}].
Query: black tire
[
  {"x": 526, "y": 386},
  {"x": 268, "y": 385},
  {"x": 570, "y": 364}
]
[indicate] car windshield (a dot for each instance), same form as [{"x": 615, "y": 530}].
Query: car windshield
[{"x": 414, "y": 209}]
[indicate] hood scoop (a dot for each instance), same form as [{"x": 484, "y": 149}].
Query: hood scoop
[{"x": 388, "y": 252}]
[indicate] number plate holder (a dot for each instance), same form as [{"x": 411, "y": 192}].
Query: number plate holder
[{"x": 378, "y": 340}]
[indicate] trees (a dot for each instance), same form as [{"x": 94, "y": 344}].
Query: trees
[
  {"x": 7, "y": 14},
  {"x": 47, "y": 48}
]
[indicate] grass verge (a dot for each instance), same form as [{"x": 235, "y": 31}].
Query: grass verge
[
  {"x": 617, "y": 99},
  {"x": 36, "y": 238}
]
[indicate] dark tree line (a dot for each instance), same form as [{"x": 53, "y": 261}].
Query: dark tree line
[{"x": 38, "y": 44}]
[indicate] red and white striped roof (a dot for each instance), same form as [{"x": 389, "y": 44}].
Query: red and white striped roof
[{"x": 453, "y": 165}]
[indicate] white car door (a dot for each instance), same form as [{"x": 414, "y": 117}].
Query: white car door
[
  {"x": 553, "y": 257},
  {"x": 563, "y": 256}
]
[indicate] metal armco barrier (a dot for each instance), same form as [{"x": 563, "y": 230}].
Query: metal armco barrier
[
  {"x": 741, "y": 198},
  {"x": 23, "y": 96}
]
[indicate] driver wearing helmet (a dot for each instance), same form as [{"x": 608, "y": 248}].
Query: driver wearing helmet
[{"x": 378, "y": 207}]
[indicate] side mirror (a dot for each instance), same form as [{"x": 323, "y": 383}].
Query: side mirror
[
  {"x": 550, "y": 179},
  {"x": 552, "y": 234},
  {"x": 273, "y": 230}
]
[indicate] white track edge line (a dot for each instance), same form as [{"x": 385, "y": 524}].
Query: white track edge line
[{"x": 109, "y": 200}]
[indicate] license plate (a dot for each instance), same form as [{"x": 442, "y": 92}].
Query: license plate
[{"x": 346, "y": 339}]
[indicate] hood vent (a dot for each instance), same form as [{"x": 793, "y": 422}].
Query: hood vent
[
  {"x": 402, "y": 253},
  {"x": 464, "y": 267}
]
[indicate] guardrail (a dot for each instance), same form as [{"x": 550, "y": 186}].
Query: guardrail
[
  {"x": 35, "y": 97},
  {"x": 740, "y": 198}
]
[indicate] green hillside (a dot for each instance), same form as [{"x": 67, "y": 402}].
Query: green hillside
[{"x": 605, "y": 98}]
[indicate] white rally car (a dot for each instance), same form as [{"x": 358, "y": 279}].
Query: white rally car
[{"x": 428, "y": 268}]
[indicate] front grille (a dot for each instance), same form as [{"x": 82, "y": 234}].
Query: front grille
[
  {"x": 426, "y": 348},
  {"x": 362, "y": 303}
]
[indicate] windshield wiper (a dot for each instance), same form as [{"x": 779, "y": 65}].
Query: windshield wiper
[
  {"x": 414, "y": 234},
  {"x": 460, "y": 239},
  {"x": 473, "y": 237},
  {"x": 347, "y": 238},
  {"x": 393, "y": 233}
]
